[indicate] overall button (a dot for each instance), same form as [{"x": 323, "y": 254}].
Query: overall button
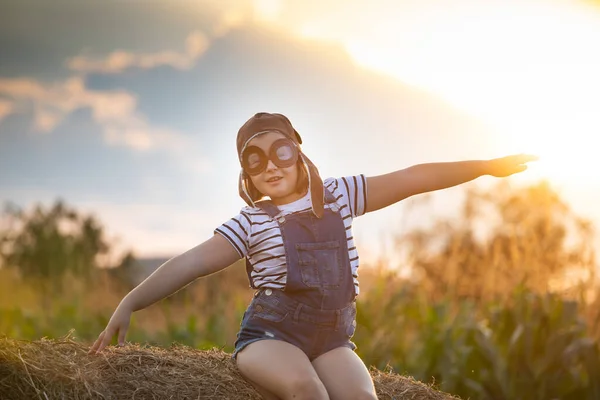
[{"x": 268, "y": 292}]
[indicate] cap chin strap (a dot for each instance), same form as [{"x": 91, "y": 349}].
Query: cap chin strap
[
  {"x": 244, "y": 185},
  {"x": 316, "y": 192}
]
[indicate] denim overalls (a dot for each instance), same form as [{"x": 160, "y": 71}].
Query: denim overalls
[{"x": 316, "y": 312}]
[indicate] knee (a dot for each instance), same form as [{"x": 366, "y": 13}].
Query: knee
[{"x": 306, "y": 386}]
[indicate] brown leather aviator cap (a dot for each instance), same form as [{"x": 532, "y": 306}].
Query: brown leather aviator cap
[{"x": 266, "y": 122}]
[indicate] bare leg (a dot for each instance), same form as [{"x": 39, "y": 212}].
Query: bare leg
[
  {"x": 345, "y": 375},
  {"x": 281, "y": 369},
  {"x": 265, "y": 394}
]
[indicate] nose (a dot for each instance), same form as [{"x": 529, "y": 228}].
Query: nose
[{"x": 270, "y": 165}]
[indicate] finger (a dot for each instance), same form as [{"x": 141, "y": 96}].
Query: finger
[
  {"x": 121, "y": 339},
  {"x": 96, "y": 344},
  {"x": 108, "y": 334},
  {"x": 520, "y": 168},
  {"x": 525, "y": 158}
]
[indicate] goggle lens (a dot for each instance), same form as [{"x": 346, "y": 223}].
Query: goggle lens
[{"x": 283, "y": 153}]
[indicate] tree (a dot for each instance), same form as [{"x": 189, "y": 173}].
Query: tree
[
  {"x": 505, "y": 237},
  {"x": 45, "y": 244}
]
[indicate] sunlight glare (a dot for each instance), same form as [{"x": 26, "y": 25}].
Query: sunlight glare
[
  {"x": 529, "y": 69},
  {"x": 267, "y": 10}
]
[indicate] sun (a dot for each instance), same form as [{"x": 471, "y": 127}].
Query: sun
[{"x": 527, "y": 69}]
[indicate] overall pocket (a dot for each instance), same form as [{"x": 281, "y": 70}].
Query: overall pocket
[
  {"x": 319, "y": 264},
  {"x": 267, "y": 309},
  {"x": 349, "y": 320}
]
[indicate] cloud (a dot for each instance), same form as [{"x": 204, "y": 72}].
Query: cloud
[
  {"x": 229, "y": 20},
  {"x": 136, "y": 134},
  {"x": 114, "y": 110},
  {"x": 216, "y": 19},
  {"x": 269, "y": 10},
  {"x": 118, "y": 61},
  {"x": 52, "y": 102},
  {"x": 45, "y": 120},
  {"x": 6, "y": 108},
  {"x": 225, "y": 17}
]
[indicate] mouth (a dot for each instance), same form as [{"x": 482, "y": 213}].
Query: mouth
[{"x": 274, "y": 179}]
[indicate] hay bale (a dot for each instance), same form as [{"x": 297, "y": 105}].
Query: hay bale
[{"x": 62, "y": 369}]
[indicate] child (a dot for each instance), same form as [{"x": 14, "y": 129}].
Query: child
[{"x": 295, "y": 336}]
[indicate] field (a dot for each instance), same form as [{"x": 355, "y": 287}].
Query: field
[{"x": 494, "y": 317}]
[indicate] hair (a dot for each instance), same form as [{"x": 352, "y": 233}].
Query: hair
[{"x": 301, "y": 183}]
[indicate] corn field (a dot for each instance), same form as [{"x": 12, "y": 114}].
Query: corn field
[{"x": 512, "y": 314}]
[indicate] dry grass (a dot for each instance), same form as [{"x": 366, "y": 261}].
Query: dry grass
[{"x": 62, "y": 369}]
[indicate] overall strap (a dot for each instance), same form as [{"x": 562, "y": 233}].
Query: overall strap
[
  {"x": 268, "y": 207},
  {"x": 329, "y": 198}
]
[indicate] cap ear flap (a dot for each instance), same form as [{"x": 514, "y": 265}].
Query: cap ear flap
[
  {"x": 315, "y": 184},
  {"x": 243, "y": 189},
  {"x": 255, "y": 195},
  {"x": 298, "y": 138},
  {"x": 247, "y": 190}
]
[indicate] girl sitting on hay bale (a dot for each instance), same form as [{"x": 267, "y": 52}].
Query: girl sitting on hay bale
[{"x": 295, "y": 336}]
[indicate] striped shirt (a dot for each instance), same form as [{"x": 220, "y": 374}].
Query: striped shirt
[{"x": 256, "y": 236}]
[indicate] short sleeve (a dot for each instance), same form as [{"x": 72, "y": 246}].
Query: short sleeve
[
  {"x": 351, "y": 190},
  {"x": 237, "y": 231}
]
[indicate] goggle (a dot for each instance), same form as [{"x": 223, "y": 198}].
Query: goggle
[{"x": 283, "y": 153}]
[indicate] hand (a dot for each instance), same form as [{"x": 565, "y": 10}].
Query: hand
[
  {"x": 506, "y": 166},
  {"x": 119, "y": 322}
]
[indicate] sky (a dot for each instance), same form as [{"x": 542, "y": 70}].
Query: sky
[{"x": 129, "y": 109}]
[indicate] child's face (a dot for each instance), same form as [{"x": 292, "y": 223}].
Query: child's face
[{"x": 277, "y": 183}]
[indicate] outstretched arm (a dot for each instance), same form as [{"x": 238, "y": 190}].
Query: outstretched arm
[
  {"x": 206, "y": 258},
  {"x": 209, "y": 257},
  {"x": 384, "y": 190}
]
